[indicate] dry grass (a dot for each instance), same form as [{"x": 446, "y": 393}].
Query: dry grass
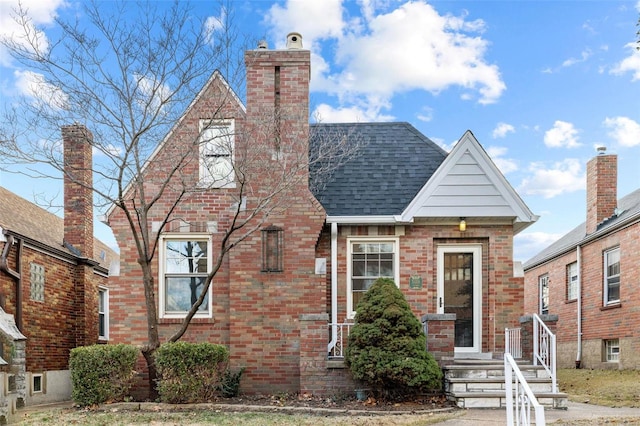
[{"x": 612, "y": 388}]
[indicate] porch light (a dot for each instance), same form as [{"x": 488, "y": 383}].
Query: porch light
[{"x": 463, "y": 224}]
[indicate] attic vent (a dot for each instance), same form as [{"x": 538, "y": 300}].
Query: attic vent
[{"x": 294, "y": 41}]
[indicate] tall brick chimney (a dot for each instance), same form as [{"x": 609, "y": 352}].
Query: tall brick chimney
[
  {"x": 78, "y": 195},
  {"x": 602, "y": 192}
]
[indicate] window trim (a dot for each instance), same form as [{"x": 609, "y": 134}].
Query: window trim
[
  {"x": 540, "y": 293},
  {"x": 570, "y": 281},
  {"x": 351, "y": 313},
  {"x": 196, "y": 236},
  {"x": 105, "y": 291},
  {"x": 605, "y": 277},
  {"x": 205, "y": 178}
]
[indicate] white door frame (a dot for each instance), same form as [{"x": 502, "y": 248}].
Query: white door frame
[{"x": 476, "y": 249}]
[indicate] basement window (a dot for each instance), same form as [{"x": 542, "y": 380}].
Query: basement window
[
  {"x": 612, "y": 350},
  {"x": 36, "y": 383},
  {"x": 272, "y": 249}
]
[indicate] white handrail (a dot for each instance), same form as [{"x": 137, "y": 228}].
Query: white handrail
[
  {"x": 513, "y": 342},
  {"x": 521, "y": 399},
  {"x": 340, "y": 333},
  {"x": 544, "y": 349}
]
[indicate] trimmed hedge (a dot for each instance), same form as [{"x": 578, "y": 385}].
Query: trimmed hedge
[
  {"x": 190, "y": 372},
  {"x": 387, "y": 347},
  {"x": 101, "y": 373}
]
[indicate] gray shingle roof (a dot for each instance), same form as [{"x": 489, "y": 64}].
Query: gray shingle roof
[
  {"x": 393, "y": 163},
  {"x": 629, "y": 207}
]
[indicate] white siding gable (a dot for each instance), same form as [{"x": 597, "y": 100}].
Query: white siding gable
[{"x": 468, "y": 184}]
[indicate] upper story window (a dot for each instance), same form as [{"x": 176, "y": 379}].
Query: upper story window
[
  {"x": 543, "y": 285},
  {"x": 217, "y": 141},
  {"x": 369, "y": 260},
  {"x": 103, "y": 313},
  {"x": 36, "y": 292},
  {"x": 572, "y": 281},
  {"x": 612, "y": 276},
  {"x": 185, "y": 262}
]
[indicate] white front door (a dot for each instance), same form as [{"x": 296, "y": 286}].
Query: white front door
[{"x": 460, "y": 292}]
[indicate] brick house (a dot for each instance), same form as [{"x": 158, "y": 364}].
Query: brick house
[
  {"x": 589, "y": 277},
  {"x": 53, "y": 287},
  {"x": 441, "y": 225}
]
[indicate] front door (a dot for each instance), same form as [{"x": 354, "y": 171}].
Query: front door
[{"x": 460, "y": 292}]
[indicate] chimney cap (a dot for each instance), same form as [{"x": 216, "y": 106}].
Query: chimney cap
[
  {"x": 262, "y": 44},
  {"x": 294, "y": 41},
  {"x": 601, "y": 150}
]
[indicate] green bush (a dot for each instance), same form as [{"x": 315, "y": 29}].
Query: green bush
[
  {"x": 190, "y": 372},
  {"x": 101, "y": 373},
  {"x": 387, "y": 348},
  {"x": 230, "y": 385}
]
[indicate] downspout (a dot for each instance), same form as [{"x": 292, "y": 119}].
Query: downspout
[
  {"x": 4, "y": 266},
  {"x": 579, "y": 310},
  {"x": 334, "y": 286}
]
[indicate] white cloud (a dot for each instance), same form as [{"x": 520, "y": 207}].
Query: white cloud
[
  {"x": 528, "y": 244},
  {"x": 34, "y": 86},
  {"x": 151, "y": 92},
  {"x": 629, "y": 64},
  {"x": 327, "y": 114},
  {"x": 506, "y": 165},
  {"x": 375, "y": 52},
  {"x": 562, "y": 135},
  {"x": 583, "y": 58},
  {"x": 502, "y": 129},
  {"x": 565, "y": 176},
  {"x": 215, "y": 24},
  {"x": 426, "y": 114},
  {"x": 41, "y": 13},
  {"x": 624, "y": 130}
]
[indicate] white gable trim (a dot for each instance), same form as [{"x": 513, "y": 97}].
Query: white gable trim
[
  {"x": 216, "y": 75},
  {"x": 484, "y": 192}
]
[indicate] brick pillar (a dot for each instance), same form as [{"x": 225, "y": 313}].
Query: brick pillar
[
  {"x": 440, "y": 331},
  {"x": 526, "y": 325},
  {"x": 602, "y": 183}
]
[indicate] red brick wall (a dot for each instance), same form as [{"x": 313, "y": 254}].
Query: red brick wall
[
  {"x": 602, "y": 184},
  {"x": 599, "y": 322}
]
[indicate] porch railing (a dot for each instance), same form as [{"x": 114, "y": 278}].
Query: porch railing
[
  {"x": 341, "y": 331},
  {"x": 513, "y": 342},
  {"x": 544, "y": 349},
  {"x": 520, "y": 397}
]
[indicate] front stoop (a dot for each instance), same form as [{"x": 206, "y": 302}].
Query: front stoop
[{"x": 480, "y": 384}]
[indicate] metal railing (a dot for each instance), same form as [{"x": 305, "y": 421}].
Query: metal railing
[
  {"x": 513, "y": 342},
  {"x": 520, "y": 397},
  {"x": 544, "y": 350},
  {"x": 341, "y": 332}
]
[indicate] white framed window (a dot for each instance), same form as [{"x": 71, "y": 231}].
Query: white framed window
[
  {"x": 543, "y": 285},
  {"x": 369, "y": 259},
  {"x": 612, "y": 276},
  {"x": 185, "y": 262},
  {"x": 37, "y": 383},
  {"x": 36, "y": 290},
  {"x": 103, "y": 313},
  {"x": 612, "y": 350},
  {"x": 572, "y": 281},
  {"x": 217, "y": 141}
]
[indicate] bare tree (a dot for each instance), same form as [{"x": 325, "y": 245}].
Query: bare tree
[{"x": 128, "y": 74}]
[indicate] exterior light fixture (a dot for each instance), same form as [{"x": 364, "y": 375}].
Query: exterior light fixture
[{"x": 463, "y": 224}]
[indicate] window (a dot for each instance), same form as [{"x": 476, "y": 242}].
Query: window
[
  {"x": 37, "y": 282},
  {"x": 185, "y": 263},
  {"x": 612, "y": 276},
  {"x": 272, "y": 249},
  {"x": 572, "y": 281},
  {"x": 216, "y": 153},
  {"x": 103, "y": 313},
  {"x": 612, "y": 350},
  {"x": 370, "y": 260},
  {"x": 543, "y": 283},
  {"x": 36, "y": 383}
]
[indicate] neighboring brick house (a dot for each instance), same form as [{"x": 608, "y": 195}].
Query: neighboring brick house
[
  {"x": 53, "y": 287},
  {"x": 441, "y": 225},
  {"x": 589, "y": 278}
]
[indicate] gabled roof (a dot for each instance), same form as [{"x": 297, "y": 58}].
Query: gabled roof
[
  {"x": 393, "y": 163},
  {"x": 24, "y": 218},
  {"x": 468, "y": 184},
  {"x": 628, "y": 212}
]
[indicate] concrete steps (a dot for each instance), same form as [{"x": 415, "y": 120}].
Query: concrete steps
[{"x": 481, "y": 384}]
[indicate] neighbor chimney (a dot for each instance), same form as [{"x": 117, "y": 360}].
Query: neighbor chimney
[
  {"x": 602, "y": 183},
  {"x": 78, "y": 192}
]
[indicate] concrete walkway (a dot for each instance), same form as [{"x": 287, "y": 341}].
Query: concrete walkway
[{"x": 575, "y": 411}]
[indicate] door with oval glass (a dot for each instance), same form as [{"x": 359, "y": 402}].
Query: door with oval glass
[{"x": 459, "y": 287}]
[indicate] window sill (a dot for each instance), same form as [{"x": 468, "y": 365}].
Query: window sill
[
  {"x": 570, "y": 301},
  {"x": 195, "y": 320},
  {"x": 611, "y": 306}
]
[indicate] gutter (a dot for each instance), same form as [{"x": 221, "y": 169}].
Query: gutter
[
  {"x": 579, "y": 310},
  {"x": 17, "y": 277}
]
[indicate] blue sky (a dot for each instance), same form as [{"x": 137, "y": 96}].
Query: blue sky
[{"x": 539, "y": 83}]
